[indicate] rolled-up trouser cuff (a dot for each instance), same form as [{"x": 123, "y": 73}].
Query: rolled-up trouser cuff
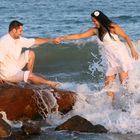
[{"x": 26, "y": 76}]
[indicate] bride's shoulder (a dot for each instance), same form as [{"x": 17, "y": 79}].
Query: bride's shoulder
[{"x": 115, "y": 26}]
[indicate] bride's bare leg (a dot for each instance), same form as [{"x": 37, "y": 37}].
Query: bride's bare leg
[
  {"x": 123, "y": 76},
  {"x": 109, "y": 80}
]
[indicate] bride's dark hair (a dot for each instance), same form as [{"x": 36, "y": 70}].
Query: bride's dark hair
[{"x": 105, "y": 23}]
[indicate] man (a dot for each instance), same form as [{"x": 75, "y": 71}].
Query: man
[{"x": 12, "y": 61}]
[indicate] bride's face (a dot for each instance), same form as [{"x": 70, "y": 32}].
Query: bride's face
[{"x": 96, "y": 22}]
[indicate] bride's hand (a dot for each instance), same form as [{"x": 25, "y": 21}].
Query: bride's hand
[{"x": 135, "y": 55}]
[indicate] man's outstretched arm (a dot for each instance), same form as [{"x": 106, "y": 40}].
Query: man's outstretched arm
[{"x": 39, "y": 41}]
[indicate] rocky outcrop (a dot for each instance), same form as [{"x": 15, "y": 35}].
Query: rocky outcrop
[
  {"x": 18, "y": 102},
  {"x": 31, "y": 128},
  {"x": 23, "y": 103},
  {"x": 80, "y": 124},
  {"x": 65, "y": 100}
]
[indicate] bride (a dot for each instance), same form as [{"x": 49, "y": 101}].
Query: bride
[{"x": 117, "y": 57}]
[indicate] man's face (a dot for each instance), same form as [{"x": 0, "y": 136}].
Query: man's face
[{"x": 18, "y": 32}]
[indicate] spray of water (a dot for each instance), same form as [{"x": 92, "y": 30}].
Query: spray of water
[
  {"x": 45, "y": 101},
  {"x": 96, "y": 106}
]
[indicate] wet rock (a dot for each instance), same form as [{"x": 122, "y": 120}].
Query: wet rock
[
  {"x": 5, "y": 129},
  {"x": 80, "y": 124},
  {"x": 65, "y": 100},
  {"x": 31, "y": 128},
  {"x": 18, "y": 102}
]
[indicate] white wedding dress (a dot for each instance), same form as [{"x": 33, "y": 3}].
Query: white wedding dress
[{"x": 117, "y": 56}]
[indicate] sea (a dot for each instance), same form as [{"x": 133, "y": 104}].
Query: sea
[{"x": 79, "y": 65}]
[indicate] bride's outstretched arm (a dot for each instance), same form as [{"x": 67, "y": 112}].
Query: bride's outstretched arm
[{"x": 86, "y": 34}]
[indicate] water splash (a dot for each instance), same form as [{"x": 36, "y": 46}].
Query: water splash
[
  {"x": 96, "y": 106},
  {"x": 45, "y": 101}
]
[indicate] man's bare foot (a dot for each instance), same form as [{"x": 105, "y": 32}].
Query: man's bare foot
[{"x": 53, "y": 84}]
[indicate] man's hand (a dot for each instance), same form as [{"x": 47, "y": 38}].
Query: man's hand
[{"x": 1, "y": 81}]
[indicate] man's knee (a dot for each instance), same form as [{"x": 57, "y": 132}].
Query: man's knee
[
  {"x": 31, "y": 54},
  {"x": 31, "y": 76}
]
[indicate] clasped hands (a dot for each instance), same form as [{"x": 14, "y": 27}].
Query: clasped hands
[{"x": 58, "y": 40}]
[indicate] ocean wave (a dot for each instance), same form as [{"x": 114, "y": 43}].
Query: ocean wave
[
  {"x": 71, "y": 52},
  {"x": 76, "y": 60},
  {"x": 124, "y": 18},
  {"x": 96, "y": 106}
]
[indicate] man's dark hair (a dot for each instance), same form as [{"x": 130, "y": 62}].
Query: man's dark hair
[{"x": 14, "y": 25}]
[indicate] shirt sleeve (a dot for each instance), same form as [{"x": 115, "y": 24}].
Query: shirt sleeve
[{"x": 27, "y": 42}]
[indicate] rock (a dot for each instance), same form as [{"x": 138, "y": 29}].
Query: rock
[
  {"x": 5, "y": 129},
  {"x": 65, "y": 100},
  {"x": 31, "y": 128},
  {"x": 80, "y": 124},
  {"x": 17, "y": 135},
  {"x": 18, "y": 102}
]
